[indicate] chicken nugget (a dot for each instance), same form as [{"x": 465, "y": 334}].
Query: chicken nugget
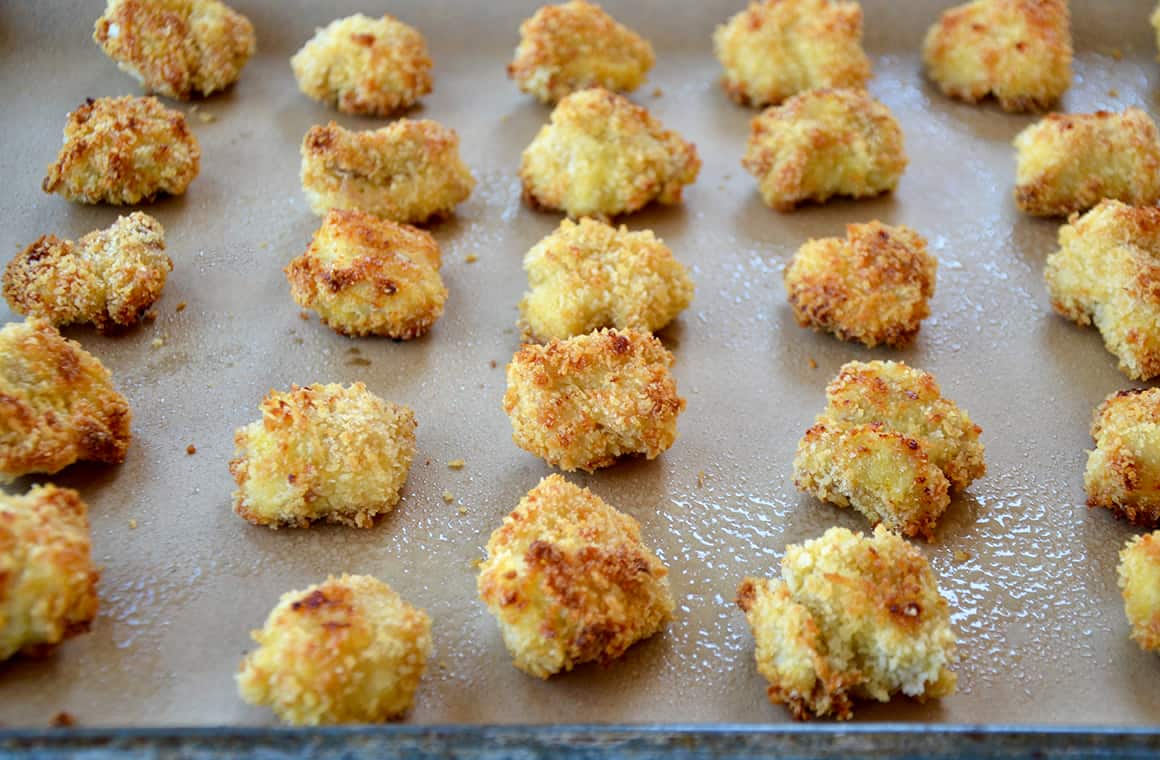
[
  {"x": 1139, "y": 576},
  {"x": 602, "y": 156},
  {"x": 823, "y": 143},
  {"x": 590, "y": 275},
  {"x": 350, "y": 650},
  {"x": 853, "y": 617},
  {"x": 1123, "y": 472},
  {"x": 570, "y": 582},
  {"x": 323, "y": 452}
]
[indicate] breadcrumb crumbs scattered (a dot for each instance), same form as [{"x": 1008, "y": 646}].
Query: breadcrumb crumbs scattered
[
  {"x": 443, "y": 665},
  {"x": 475, "y": 562},
  {"x": 157, "y": 342},
  {"x": 63, "y": 720},
  {"x": 304, "y": 316},
  {"x": 813, "y": 364},
  {"x": 191, "y": 449},
  {"x": 456, "y": 464},
  {"x": 701, "y": 479},
  {"x": 657, "y": 92},
  {"x": 471, "y": 258},
  {"x": 1117, "y": 54},
  {"x": 151, "y": 315},
  {"x": 428, "y": 462},
  {"x": 463, "y": 510},
  {"x": 263, "y": 245},
  {"x": 492, "y": 364},
  {"x": 1113, "y": 93},
  {"x": 962, "y": 555},
  {"x": 181, "y": 307},
  {"x": 132, "y": 525},
  {"x": 448, "y": 497},
  {"x": 206, "y": 118}
]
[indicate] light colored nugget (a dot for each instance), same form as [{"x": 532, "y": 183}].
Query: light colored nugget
[
  {"x": 349, "y": 650},
  {"x": 824, "y": 143},
  {"x": 1018, "y": 51},
  {"x": 576, "y": 45},
  {"x": 124, "y": 151},
  {"x": 1139, "y": 575},
  {"x": 584, "y": 402},
  {"x": 177, "y": 48},
  {"x": 366, "y": 66},
  {"x": 1107, "y": 273},
  {"x": 570, "y": 582},
  {"x": 323, "y": 452},
  {"x": 777, "y": 48},
  {"x": 590, "y": 275},
  {"x": 853, "y": 617},
  {"x": 109, "y": 277},
  {"x": 57, "y": 403},
  {"x": 1123, "y": 472},
  {"x": 602, "y": 156},
  {"x": 367, "y": 276},
  {"x": 873, "y": 287},
  {"x": 1071, "y": 162},
  {"x": 408, "y": 172}
]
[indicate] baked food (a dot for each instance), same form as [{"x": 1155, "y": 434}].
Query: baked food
[
  {"x": 1139, "y": 575},
  {"x": 1123, "y": 471}
]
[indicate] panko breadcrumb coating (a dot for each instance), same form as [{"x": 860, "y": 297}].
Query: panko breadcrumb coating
[
  {"x": 777, "y": 48},
  {"x": 853, "y": 617},
  {"x": 602, "y": 156},
  {"x": 109, "y": 277},
  {"x": 57, "y": 403},
  {"x": 1139, "y": 573},
  {"x": 367, "y": 276},
  {"x": 48, "y": 583},
  {"x": 323, "y": 452},
  {"x": 177, "y": 48},
  {"x": 1123, "y": 472},
  {"x": 1018, "y": 51},
  {"x": 408, "y": 172},
  {"x": 590, "y": 275},
  {"x": 1071, "y": 162},
  {"x": 873, "y": 287},
  {"x": 349, "y": 650},
  {"x": 1107, "y": 273},
  {"x": 576, "y": 45},
  {"x": 890, "y": 446},
  {"x": 362, "y": 65},
  {"x": 124, "y": 151},
  {"x": 570, "y": 582},
  {"x": 824, "y": 143},
  {"x": 582, "y": 403}
]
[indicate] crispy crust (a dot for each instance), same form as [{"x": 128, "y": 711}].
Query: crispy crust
[
  {"x": 1139, "y": 577},
  {"x": 1123, "y": 472}
]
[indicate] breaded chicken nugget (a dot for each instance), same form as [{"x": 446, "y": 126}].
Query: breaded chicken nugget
[
  {"x": 408, "y": 172},
  {"x": 367, "y": 276},
  {"x": 1139, "y": 573},
  {"x": 177, "y": 48},
  {"x": 603, "y": 156},
  {"x": 323, "y": 452},
  {"x": 824, "y": 143},
  {"x": 1123, "y": 472},
  {"x": 362, "y": 65},
  {"x": 1107, "y": 273},
  {"x": 1071, "y": 162},
  {"x": 582, "y": 403},
  {"x": 349, "y": 650},
  {"x": 778, "y": 48},
  {"x": 124, "y": 151},
  {"x": 1019, "y": 51},
  {"x": 576, "y": 45},
  {"x": 589, "y": 275},
  {"x": 570, "y": 582},
  {"x": 109, "y": 277},
  {"x": 57, "y": 403},
  {"x": 874, "y": 287},
  {"x": 853, "y": 617}
]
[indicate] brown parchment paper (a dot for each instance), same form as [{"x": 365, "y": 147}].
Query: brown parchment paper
[{"x": 1043, "y": 635}]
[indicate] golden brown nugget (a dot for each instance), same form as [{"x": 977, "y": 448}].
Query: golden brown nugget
[
  {"x": 824, "y": 143},
  {"x": 570, "y": 582},
  {"x": 1071, "y": 162},
  {"x": 853, "y": 617},
  {"x": 584, "y": 402},
  {"x": 1018, "y": 51},
  {"x": 1107, "y": 273},
  {"x": 367, "y": 276},
  {"x": 48, "y": 583},
  {"x": 323, "y": 452},
  {"x": 362, "y": 65},
  {"x": 408, "y": 172},
  {"x": 1123, "y": 472},
  {"x": 873, "y": 287},
  {"x": 590, "y": 275},
  {"x": 109, "y": 277},
  {"x": 124, "y": 151},
  {"x": 602, "y": 156},
  {"x": 177, "y": 48},
  {"x": 349, "y": 650},
  {"x": 576, "y": 45},
  {"x": 1139, "y": 575},
  {"x": 57, "y": 403},
  {"x": 777, "y": 48}
]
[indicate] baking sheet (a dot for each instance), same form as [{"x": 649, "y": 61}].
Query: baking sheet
[{"x": 1043, "y": 638}]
